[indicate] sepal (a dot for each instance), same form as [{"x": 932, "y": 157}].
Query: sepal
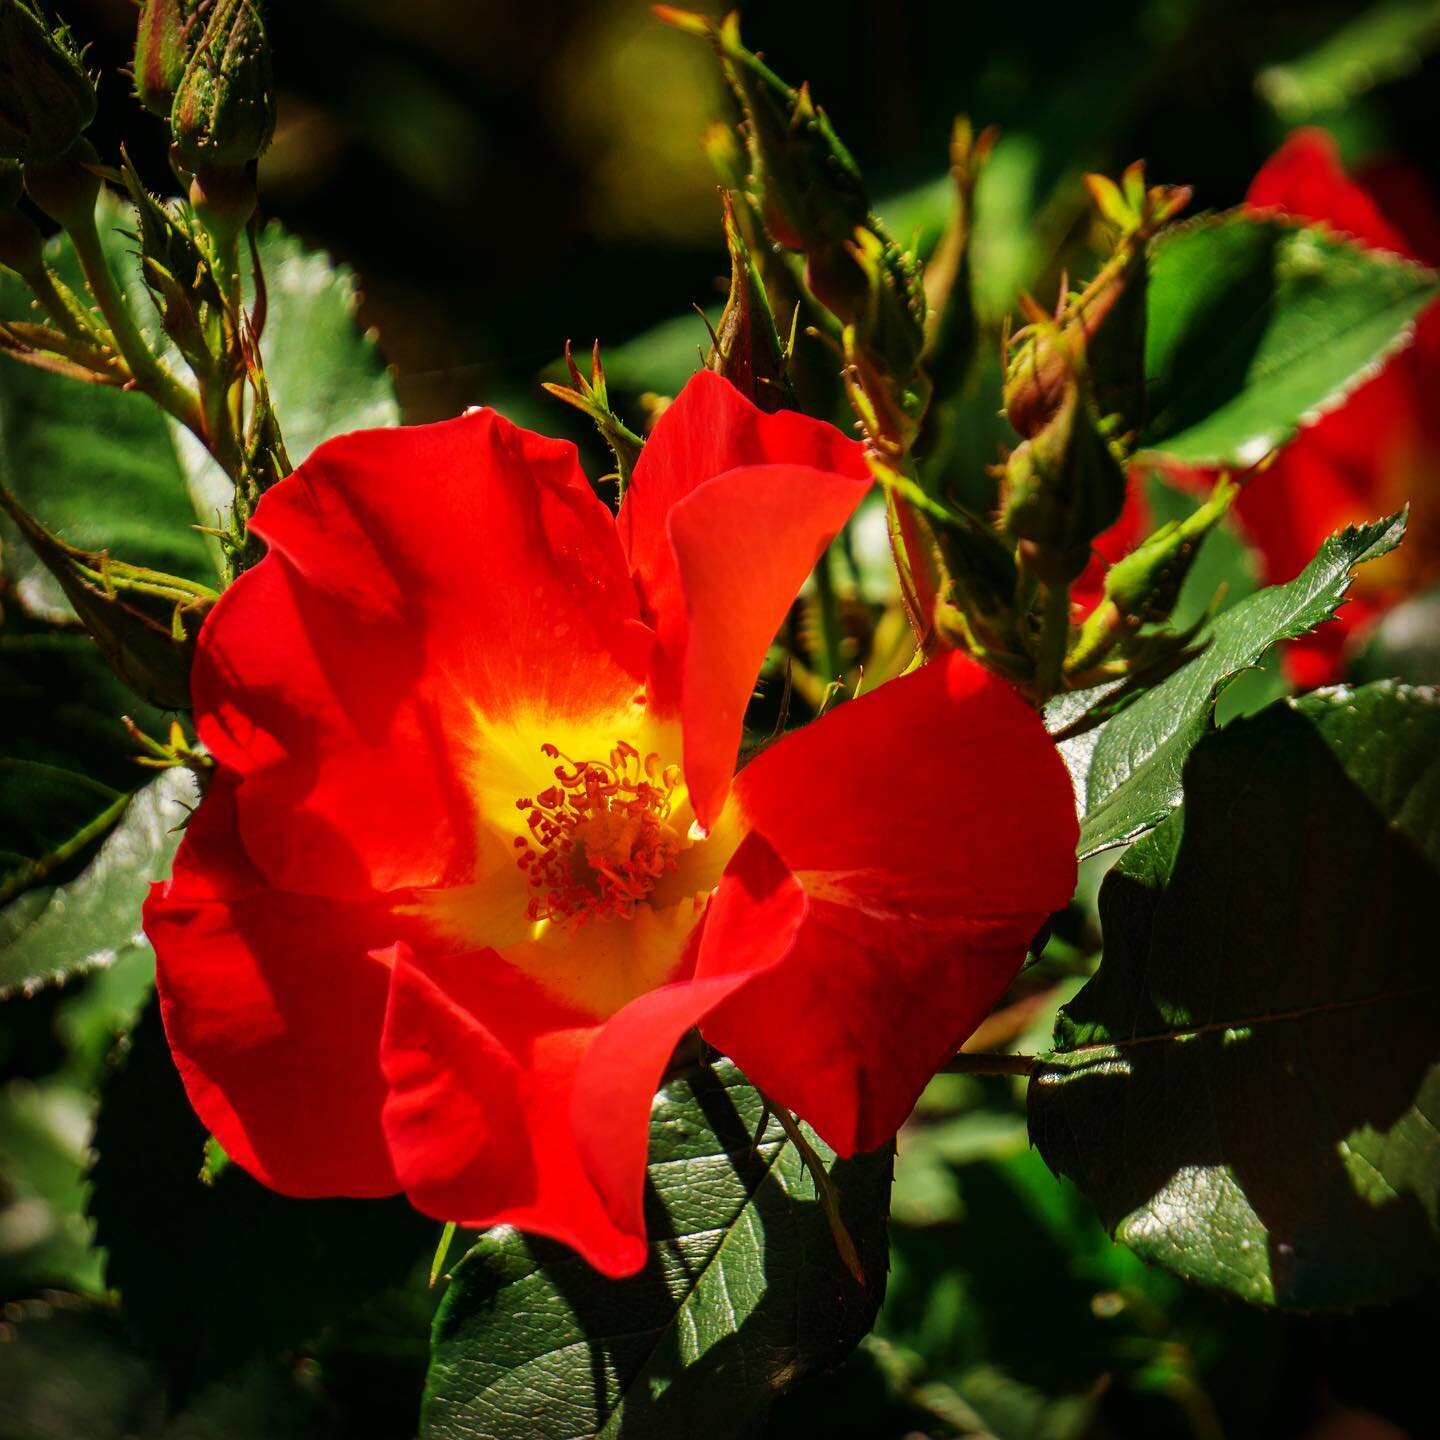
[
  {"x": 747, "y": 349},
  {"x": 592, "y": 398},
  {"x": 164, "y": 36}
]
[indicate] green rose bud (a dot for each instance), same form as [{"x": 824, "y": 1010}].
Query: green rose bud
[
  {"x": 46, "y": 98},
  {"x": 224, "y": 111},
  {"x": 163, "y": 39}
]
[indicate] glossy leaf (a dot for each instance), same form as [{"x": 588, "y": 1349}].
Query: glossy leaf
[
  {"x": 744, "y": 1294},
  {"x": 90, "y": 921},
  {"x": 1256, "y": 324},
  {"x": 1249, "y": 1088},
  {"x": 1127, "y": 771},
  {"x": 275, "y": 1270}
]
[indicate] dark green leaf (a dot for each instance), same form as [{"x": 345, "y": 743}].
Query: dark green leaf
[
  {"x": 213, "y": 1274},
  {"x": 1257, "y": 323},
  {"x": 91, "y": 920},
  {"x": 1127, "y": 771},
  {"x": 743, "y": 1295},
  {"x": 1249, "y": 1087}
]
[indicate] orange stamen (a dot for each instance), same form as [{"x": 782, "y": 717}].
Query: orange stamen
[{"x": 600, "y": 837}]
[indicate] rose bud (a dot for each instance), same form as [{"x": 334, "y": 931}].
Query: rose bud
[{"x": 46, "y": 98}]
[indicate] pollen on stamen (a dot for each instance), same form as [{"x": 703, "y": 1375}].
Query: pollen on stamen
[{"x": 600, "y": 838}]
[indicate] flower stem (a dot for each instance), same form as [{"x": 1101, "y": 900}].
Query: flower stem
[
  {"x": 831, "y": 659},
  {"x": 150, "y": 375},
  {"x": 1054, "y": 641},
  {"x": 825, "y": 1192}
]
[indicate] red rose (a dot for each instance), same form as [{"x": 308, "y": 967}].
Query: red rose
[
  {"x": 475, "y": 857},
  {"x": 1367, "y": 457}
]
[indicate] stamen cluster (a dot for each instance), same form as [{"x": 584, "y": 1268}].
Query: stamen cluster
[{"x": 600, "y": 837}]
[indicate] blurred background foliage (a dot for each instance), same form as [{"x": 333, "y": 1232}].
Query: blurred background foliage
[{"x": 503, "y": 176}]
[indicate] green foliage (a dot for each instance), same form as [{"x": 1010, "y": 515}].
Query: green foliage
[
  {"x": 1127, "y": 771},
  {"x": 94, "y": 464},
  {"x": 1256, "y": 323},
  {"x": 285, "y": 1268},
  {"x": 744, "y": 1293},
  {"x": 326, "y": 375},
  {"x": 1249, "y": 1087}
]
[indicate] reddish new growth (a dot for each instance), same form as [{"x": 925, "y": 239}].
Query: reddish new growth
[{"x": 600, "y": 838}]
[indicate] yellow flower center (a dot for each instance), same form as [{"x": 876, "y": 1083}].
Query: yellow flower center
[{"x": 600, "y": 838}]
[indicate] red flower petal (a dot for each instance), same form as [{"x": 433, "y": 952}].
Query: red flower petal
[
  {"x": 414, "y": 573},
  {"x": 273, "y": 1004},
  {"x": 726, "y": 515},
  {"x": 931, "y": 826},
  {"x": 711, "y": 428},
  {"x": 507, "y": 1108},
  {"x": 1305, "y": 178},
  {"x": 744, "y": 543}
]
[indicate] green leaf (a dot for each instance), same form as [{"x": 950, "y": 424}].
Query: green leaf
[
  {"x": 744, "y": 1293},
  {"x": 1256, "y": 324},
  {"x": 326, "y": 374},
  {"x": 1249, "y": 1088},
  {"x": 93, "y": 919},
  {"x": 1127, "y": 771},
  {"x": 95, "y": 464},
  {"x": 214, "y": 1274}
]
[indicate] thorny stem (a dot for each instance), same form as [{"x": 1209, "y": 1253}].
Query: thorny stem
[
  {"x": 831, "y": 660},
  {"x": 149, "y": 374}
]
